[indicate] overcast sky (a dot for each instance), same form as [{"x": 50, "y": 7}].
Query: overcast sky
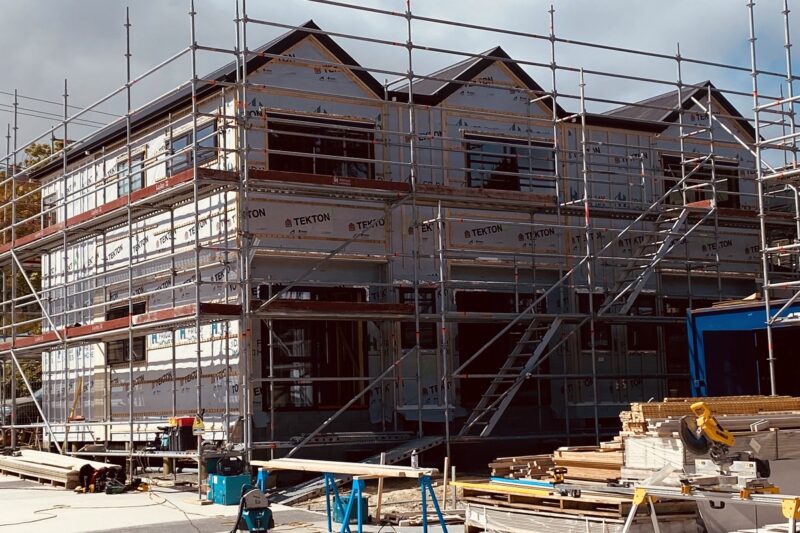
[{"x": 45, "y": 41}]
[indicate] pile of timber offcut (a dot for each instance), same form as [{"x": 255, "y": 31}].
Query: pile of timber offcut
[
  {"x": 522, "y": 466},
  {"x": 591, "y": 463},
  {"x": 586, "y": 463},
  {"x": 47, "y": 467}
]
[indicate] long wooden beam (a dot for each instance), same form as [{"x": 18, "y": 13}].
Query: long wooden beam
[{"x": 341, "y": 467}]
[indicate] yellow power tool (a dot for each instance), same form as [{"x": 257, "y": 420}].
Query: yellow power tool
[{"x": 702, "y": 434}]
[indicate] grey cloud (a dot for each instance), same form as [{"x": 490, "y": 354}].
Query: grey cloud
[{"x": 45, "y": 41}]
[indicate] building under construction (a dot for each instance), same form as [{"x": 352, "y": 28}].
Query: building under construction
[{"x": 304, "y": 254}]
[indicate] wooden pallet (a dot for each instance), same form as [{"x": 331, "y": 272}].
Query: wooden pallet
[{"x": 588, "y": 504}]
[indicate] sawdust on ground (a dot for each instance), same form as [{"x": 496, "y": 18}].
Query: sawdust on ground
[{"x": 401, "y": 497}]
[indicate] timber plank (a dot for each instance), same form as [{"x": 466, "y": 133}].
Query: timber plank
[{"x": 340, "y": 467}]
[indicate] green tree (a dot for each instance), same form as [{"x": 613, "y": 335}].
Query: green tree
[{"x": 20, "y": 202}]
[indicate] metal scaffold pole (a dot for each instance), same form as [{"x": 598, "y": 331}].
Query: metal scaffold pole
[
  {"x": 246, "y": 255},
  {"x": 129, "y": 179},
  {"x": 14, "y": 171},
  {"x": 589, "y": 236},
  {"x": 444, "y": 332},
  {"x": 762, "y": 215},
  {"x": 198, "y": 274},
  {"x": 65, "y": 267},
  {"x": 561, "y": 189},
  {"x": 415, "y": 241}
]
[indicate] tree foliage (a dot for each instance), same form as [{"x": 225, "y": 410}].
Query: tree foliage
[{"x": 20, "y": 202}]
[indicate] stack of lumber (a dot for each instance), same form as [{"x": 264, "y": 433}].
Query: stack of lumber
[
  {"x": 767, "y": 426},
  {"x": 642, "y": 416},
  {"x": 47, "y": 467},
  {"x": 591, "y": 463},
  {"x": 522, "y": 466}
]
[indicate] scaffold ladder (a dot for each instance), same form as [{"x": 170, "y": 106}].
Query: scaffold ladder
[
  {"x": 528, "y": 351},
  {"x": 635, "y": 275}
]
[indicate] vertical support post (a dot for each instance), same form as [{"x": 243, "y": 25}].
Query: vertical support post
[
  {"x": 326, "y": 480},
  {"x": 589, "y": 251},
  {"x": 14, "y": 409},
  {"x": 65, "y": 318},
  {"x": 445, "y": 472},
  {"x": 562, "y": 195},
  {"x": 454, "y": 492},
  {"x": 761, "y": 207},
  {"x": 443, "y": 339},
  {"x": 14, "y": 273},
  {"x": 197, "y": 257},
  {"x": 246, "y": 335},
  {"x": 226, "y": 417},
  {"x": 380, "y": 491},
  {"x": 710, "y": 126},
  {"x": 682, "y": 149},
  {"x": 271, "y": 370},
  {"x": 128, "y": 178},
  {"x": 415, "y": 255},
  {"x": 787, "y": 45},
  {"x": 173, "y": 280}
]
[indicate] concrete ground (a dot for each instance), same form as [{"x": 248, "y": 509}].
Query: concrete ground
[{"x": 26, "y": 506}]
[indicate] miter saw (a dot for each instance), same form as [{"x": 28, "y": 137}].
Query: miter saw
[{"x": 703, "y": 435}]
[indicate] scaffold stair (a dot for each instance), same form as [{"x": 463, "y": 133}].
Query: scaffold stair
[
  {"x": 522, "y": 360},
  {"x": 629, "y": 285}
]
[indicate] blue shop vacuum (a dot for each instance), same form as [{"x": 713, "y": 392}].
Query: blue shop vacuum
[{"x": 254, "y": 513}]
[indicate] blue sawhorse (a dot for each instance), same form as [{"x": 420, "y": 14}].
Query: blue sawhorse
[
  {"x": 331, "y": 490},
  {"x": 333, "y": 500},
  {"x": 425, "y": 484}
]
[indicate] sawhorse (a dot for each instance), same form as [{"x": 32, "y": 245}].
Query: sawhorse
[
  {"x": 640, "y": 496},
  {"x": 332, "y": 492},
  {"x": 333, "y": 500}
]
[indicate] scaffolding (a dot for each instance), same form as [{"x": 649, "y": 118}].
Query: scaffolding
[
  {"x": 775, "y": 150},
  {"x": 604, "y": 218}
]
